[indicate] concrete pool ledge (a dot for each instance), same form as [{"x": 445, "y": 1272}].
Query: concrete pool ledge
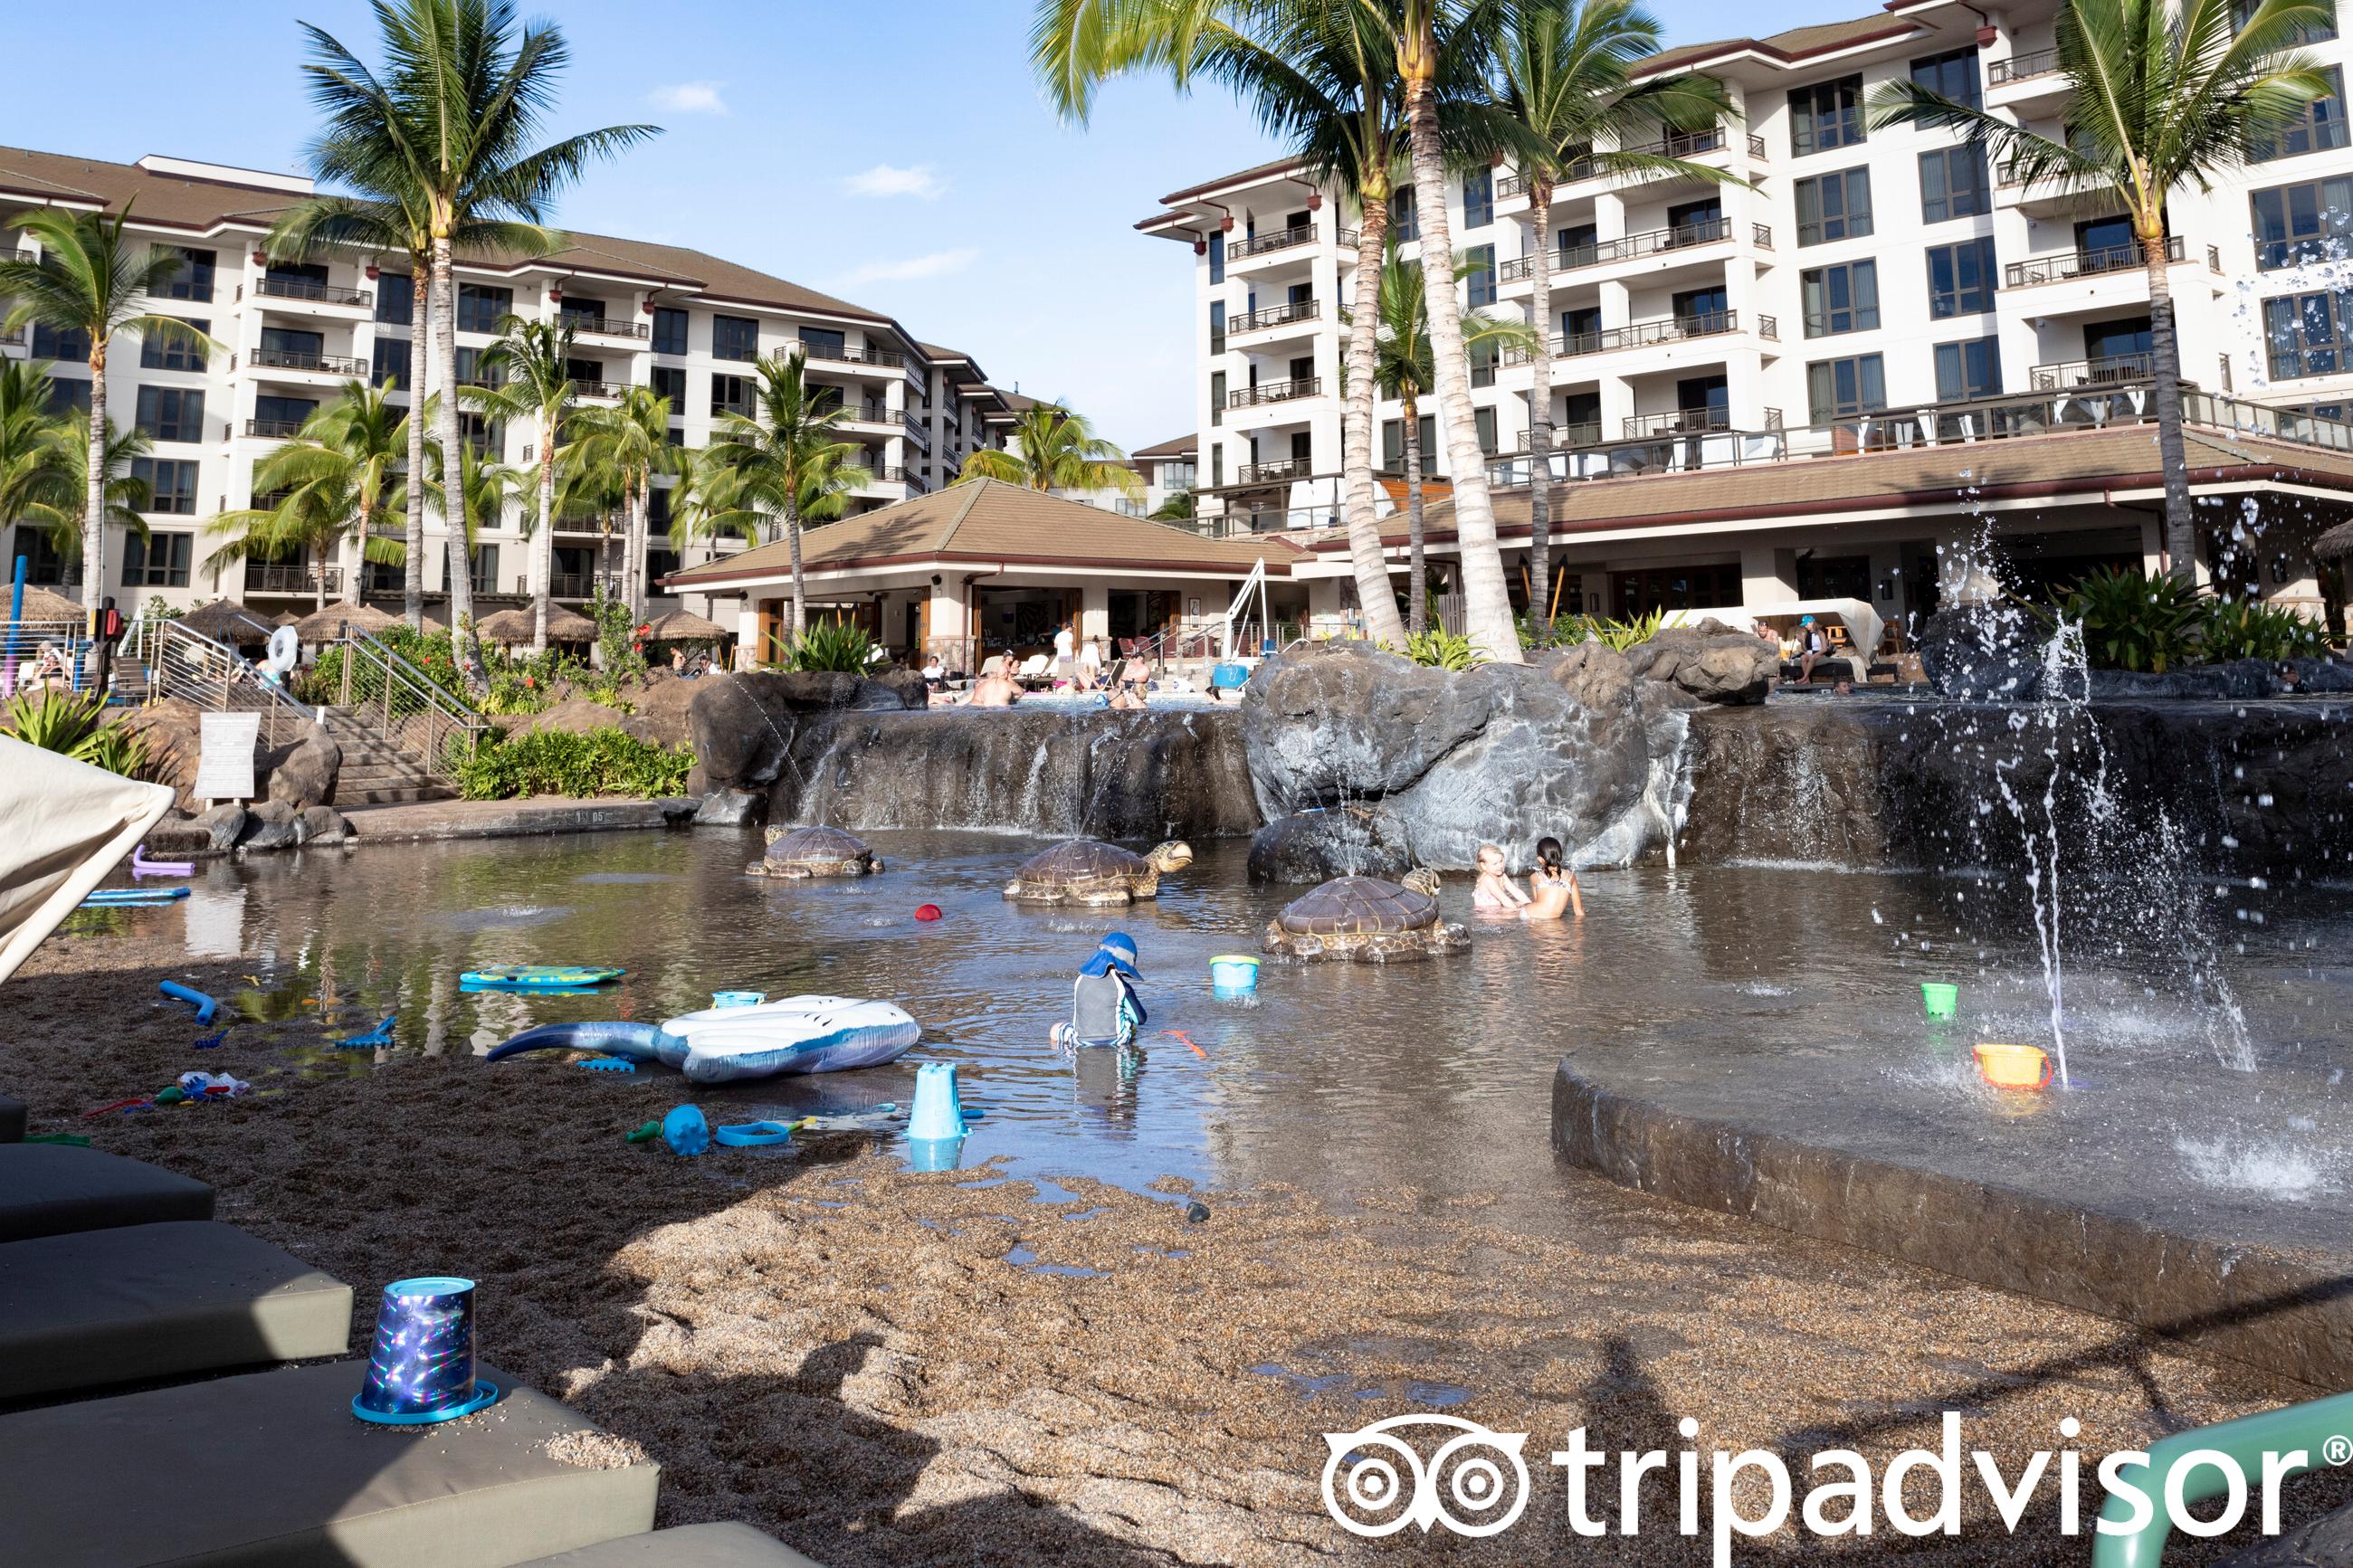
[
  {"x": 433, "y": 820},
  {"x": 2284, "y": 1310}
]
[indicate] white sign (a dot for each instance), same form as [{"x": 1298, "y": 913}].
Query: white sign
[{"x": 225, "y": 764}]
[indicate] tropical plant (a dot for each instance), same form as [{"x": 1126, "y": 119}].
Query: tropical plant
[
  {"x": 116, "y": 749},
  {"x": 1054, "y": 450},
  {"x": 34, "y": 481},
  {"x": 788, "y": 459},
  {"x": 2162, "y": 95},
  {"x": 2249, "y": 628},
  {"x": 842, "y": 646},
  {"x": 604, "y": 760},
  {"x": 1566, "y": 85},
  {"x": 127, "y": 495},
  {"x": 76, "y": 727},
  {"x": 618, "y": 652},
  {"x": 1613, "y": 632},
  {"x": 1443, "y": 649},
  {"x": 1401, "y": 365},
  {"x": 2131, "y": 621},
  {"x": 1177, "y": 508},
  {"x": 90, "y": 281},
  {"x": 627, "y": 443},
  {"x": 444, "y": 136},
  {"x": 530, "y": 369},
  {"x": 354, "y": 449}
]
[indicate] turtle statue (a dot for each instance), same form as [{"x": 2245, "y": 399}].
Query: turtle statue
[
  {"x": 1088, "y": 871},
  {"x": 814, "y": 852},
  {"x": 1367, "y": 921}
]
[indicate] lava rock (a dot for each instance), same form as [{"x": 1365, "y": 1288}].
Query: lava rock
[
  {"x": 1367, "y": 841},
  {"x": 303, "y": 771},
  {"x": 1713, "y": 662},
  {"x": 2323, "y": 1543},
  {"x": 223, "y": 825},
  {"x": 2240, "y": 679},
  {"x": 1982, "y": 653},
  {"x": 731, "y": 808},
  {"x": 1593, "y": 672},
  {"x": 172, "y": 729},
  {"x": 324, "y": 825},
  {"x": 2323, "y": 674},
  {"x": 576, "y": 717},
  {"x": 743, "y": 725},
  {"x": 273, "y": 824},
  {"x": 660, "y": 718},
  {"x": 177, "y": 836},
  {"x": 905, "y": 684}
]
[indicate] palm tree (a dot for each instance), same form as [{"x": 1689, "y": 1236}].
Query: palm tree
[
  {"x": 534, "y": 359},
  {"x": 1177, "y": 508},
  {"x": 126, "y": 496},
  {"x": 486, "y": 484},
  {"x": 447, "y": 132},
  {"x": 630, "y": 441},
  {"x": 1566, "y": 85},
  {"x": 324, "y": 495},
  {"x": 34, "y": 474},
  {"x": 1402, "y": 363},
  {"x": 704, "y": 502},
  {"x": 89, "y": 280},
  {"x": 789, "y": 456},
  {"x": 1055, "y": 449},
  {"x": 2158, "y": 99},
  {"x": 356, "y": 447}
]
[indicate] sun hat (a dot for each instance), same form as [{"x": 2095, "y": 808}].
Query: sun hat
[{"x": 1117, "y": 950}]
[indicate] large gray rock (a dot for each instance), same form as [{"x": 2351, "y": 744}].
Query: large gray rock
[
  {"x": 1985, "y": 653},
  {"x": 660, "y": 711},
  {"x": 2239, "y": 679},
  {"x": 576, "y": 717},
  {"x": 324, "y": 825},
  {"x": 2323, "y": 1543},
  {"x": 1711, "y": 662},
  {"x": 1305, "y": 846},
  {"x": 1503, "y": 753},
  {"x": 731, "y": 808},
  {"x": 223, "y": 824},
  {"x": 743, "y": 725},
  {"x": 273, "y": 824},
  {"x": 303, "y": 771}
]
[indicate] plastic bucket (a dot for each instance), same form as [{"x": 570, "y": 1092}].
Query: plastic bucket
[
  {"x": 2013, "y": 1067},
  {"x": 1939, "y": 1000},
  {"x": 738, "y": 998},
  {"x": 1233, "y": 975}
]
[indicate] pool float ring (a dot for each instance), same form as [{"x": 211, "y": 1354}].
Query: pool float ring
[
  {"x": 285, "y": 647},
  {"x": 719, "y": 1045},
  {"x": 537, "y": 977},
  {"x": 205, "y": 1005}
]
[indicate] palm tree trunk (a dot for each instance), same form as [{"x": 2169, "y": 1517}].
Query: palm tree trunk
[
  {"x": 420, "y": 354},
  {"x": 1540, "y": 419},
  {"x": 352, "y": 584},
  {"x": 1416, "y": 570},
  {"x": 641, "y": 524},
  {"x": 546, "y": 535},
  {"x": 800, "y": 596},
  {"x": 2165, "y": 350},
  {"x": 1487, "y": 600},
  {"x": 319, "y": 582},
  {"x": 1365, "y": 556},
  {"x": 453, "y": 464},
  {"x": 93, "y": 517}
]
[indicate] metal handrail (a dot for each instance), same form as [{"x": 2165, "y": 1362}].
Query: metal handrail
[
  {"x": 606, "y": 327},
  {"x": 2070, "y": 264},
  {"x": 175, "y": 661},
  {"x": 2064, "y": 373},
  {"x": 2020, "y": 68},
  {"x": 385, "y": 691},
  {"x": 1650, "y": 242},
  {"x": 287, "y": 358},
  {"x": 1277, "y": 316},
  {"x": 1275, "y": 392},
  {"x": 1280, "y": 239},
  {"x": 1644, "y": 334},
  {"x": 847, "y": 354},
  {"x": 315, "y": 292}
]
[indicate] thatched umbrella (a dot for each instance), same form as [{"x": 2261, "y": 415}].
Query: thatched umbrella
[
  {"x": 511, "y": 628},
  {"x": 2337, "y": 540},
  {"x": 327, "y": 624},
  {"x": 41, "y": 604},
  {"x": 683, "y": 626},
  {"x": 227, "y": 621}
]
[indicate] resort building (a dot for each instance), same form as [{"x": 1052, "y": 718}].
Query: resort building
[
  {"x": 685, "y": 323},
  {"x": 1800, "y": 379}
]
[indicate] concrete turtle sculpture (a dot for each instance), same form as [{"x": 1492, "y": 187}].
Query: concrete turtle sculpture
[
  {"x": 1365, "y": 920},
  {"x": 814, "y": 852},
  {"x": 1088, "y": 871}
]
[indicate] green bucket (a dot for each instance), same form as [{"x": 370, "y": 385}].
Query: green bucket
[{"x": 1939, "y": 1000}]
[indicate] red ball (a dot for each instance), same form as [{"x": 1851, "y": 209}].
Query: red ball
[{"x": 927, "y": 912}]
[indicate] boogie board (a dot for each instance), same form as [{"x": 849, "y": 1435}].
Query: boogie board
[{"x": 538, "y": 977}]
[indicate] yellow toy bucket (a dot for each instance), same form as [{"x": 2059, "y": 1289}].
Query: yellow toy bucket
[{"x": 2013, "y": 1067}]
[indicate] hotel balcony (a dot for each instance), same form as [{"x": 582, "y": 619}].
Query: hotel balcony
[
  {"x": 1516, "y": 275},
  {"x": 879, "y": 359},
  {"x": 1280, "y": 472},
  {"x": 273, "y": 429},
  {"x": 299, "y": 292},
  {"x": 917, "y": 432},
  {"x": 1687, "y": 422},
  {"x": 2068, "y": 376},
  {"x": 2031, "y": 84},
  {"x": 1714, "y": 146},
  {"x": 2078, "y": 280},
  {"x": 1275, "y": 392},
  {"x": 606, "y": 327},
  {"x": 290, "y": 576},
  {"x": 290, "y": 364},
  {"x": 1652, "y": 334},
  {"x": 600, "y": 391},
  {"x": 1300, "y": 318}
]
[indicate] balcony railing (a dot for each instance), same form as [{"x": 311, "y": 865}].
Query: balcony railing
[
  {"x": 1275, "y": 392},
  {"x": 273, "y": 429},
  {"x": 602, "y": 390},
  {"x": 606, "y": 327},
  {"x": 852, "y": 354},
  {"x": 315, "y": 292},
  {"x": 1269, "y": 473},
  {"x": 1276, "y": 316},
  {"x": 572, "y": 584},
  {"x": 12, "y": 337},
  {"x": 1644, "y": 334},
  {"x": 295, "y": 359},
  {"x": 1280, "y": 239},
  {"x": 917, "y": 431},
  {"x": 1650, "y": 242},
  {"x": 290, "y": 576},
  {"x": 2022, "y": 67},
  {"x": 1346, "y": 237},
  {"x": 2082, "y": 264},
  {"x": 2103, "y": 371},
  {"x": 1688, "y": 422},
  {"x": 1676, "y": 144}
]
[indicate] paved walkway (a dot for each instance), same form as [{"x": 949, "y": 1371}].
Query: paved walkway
[{"x": 436, "y": 819}]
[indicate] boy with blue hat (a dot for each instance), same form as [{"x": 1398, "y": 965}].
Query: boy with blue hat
[{"x": 1104, "y": 1007}]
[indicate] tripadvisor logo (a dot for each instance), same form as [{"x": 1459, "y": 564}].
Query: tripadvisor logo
[{"x": 1427, "y": 1472}]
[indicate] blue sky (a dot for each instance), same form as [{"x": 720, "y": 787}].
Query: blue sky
[{"x": 894, "y": 154}]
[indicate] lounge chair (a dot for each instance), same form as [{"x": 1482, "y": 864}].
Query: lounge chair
[
  {"x": 12, "y": 1121},
  {"x": 689, "y": 1546},
  {"x": 134, "y": 1303},
  {"x": 51, "y": 1189},
  {"x": 269, "y": 1467},
  {"x": 1036, "y": 670}
]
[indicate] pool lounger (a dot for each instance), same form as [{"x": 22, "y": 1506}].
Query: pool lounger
[
  {"x": 51, "y": 1189},
  {"x": 142, "y": 1302},
  {"x": 12, "y": 1121},
  {"x": 270, "y": 1468},
  {"x": 688, "y": 1546}
]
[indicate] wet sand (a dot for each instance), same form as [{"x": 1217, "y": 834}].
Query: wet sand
[{"x": 887, "y": 1367}]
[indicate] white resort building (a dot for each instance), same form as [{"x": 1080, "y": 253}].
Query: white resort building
[{"x": 1801, "y": 383}]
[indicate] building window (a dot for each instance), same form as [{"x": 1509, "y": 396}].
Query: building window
[
  {"x": 1405, "y": 218},
  {"x": 469, "y": 366},
  {"x": 670, "y": 380},
  {"x": 1393, "y": 442},
  {"x": 2306, "y": 333},
  {"x": 1827, "y": 115},
  {"x": 1216, "y": 326},
  {"x": 281, "y": 416},
  {"x": 1951, "y": 75},
  {"x": 1842, "y": 299},
  {"x": 733, "y": 394},
  {"x": 159, "y": 352},
  {"x": 1217, "y": 397},
  {"x": 1484, "y": 419},
  {"x": 484, "y": 438},
  {"x": 1176, "y": 476},
  {"x": 823, "y": 343},
  {"x": 1839, "y": 389},
  {"x": 172, "y": 413},
  {"x": 660, "y": 561},
  {"x": 1479, "y": 198},
  {"x": 170, "y": 483},
  {"x": 2242, "y": 11},
  {"x": 1953, "y": 184},
  {"x": 392, "y": 360},
  {"x": 1968, "y": 369},
  {"x": 45, "y": 566},
  {"x": 2319, "y": 127},
  {"x": 2300, "y": 224},
  {"x": 481, "y": 307},
  {"x": 1217, "y": 258},
  {"x": 1960, "y": 277},
  {"x": 482, "y": 568},
  {"x": 734, "y": 337},
  {"x": 1217, "y": 465},
  {"x": 158, "y": 561},
  {"x": 68, "y": 394},
  {"x": 669, "y": 331},
  {"x": 396, "y": 300},
  {"x": 50, "y": 342},
  {"x": 194, "y": 280},
  {"x": 1480, "y": 259},
  {"x": 1834, "y": 206}
]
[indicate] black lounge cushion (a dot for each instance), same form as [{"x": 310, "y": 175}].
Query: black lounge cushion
[
  {"x": 689, "y": 1546},
  {"x": 12, "y": 1121},
  {"x": 272, "y": 1468},
  {"x": 134, "y": 1304},
  {"x": 50, "y": 1189}
]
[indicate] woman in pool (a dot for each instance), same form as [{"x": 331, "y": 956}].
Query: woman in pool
[
  {"x": 1495, "y": 894},
  {"x": 1551, "y": 890}
]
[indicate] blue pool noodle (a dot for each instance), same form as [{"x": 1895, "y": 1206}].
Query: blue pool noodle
[{"x": 206, "y": 1006}]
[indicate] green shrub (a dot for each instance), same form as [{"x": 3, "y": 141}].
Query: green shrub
[
  {"x": 549, "y": 762},
  {"x": 2249, "y": 628},
  {"x": 2133, "y": 621},
  {"x": 617, "y": 639},
  {"x": 1621, "y": 634},
  {"x": 1443, "y": 649},
  {"x": 831, "y": 645},
  {"x": 75, "y": 727}
]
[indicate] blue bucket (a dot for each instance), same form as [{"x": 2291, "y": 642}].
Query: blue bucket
[
  {"x": 738, "y": 998},
  {"x": 1233, "y": 975},
  {"x": 1229, "y": 677}
]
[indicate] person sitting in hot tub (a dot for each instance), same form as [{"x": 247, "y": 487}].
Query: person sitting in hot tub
[
  {"x": 1104, "y": 1007},
  {"x": 1495, "y": 892},
  {"x": 996, "y": 687}
]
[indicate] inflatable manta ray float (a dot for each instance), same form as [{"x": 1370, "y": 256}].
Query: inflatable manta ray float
[{"x": 799, "y": 1034}]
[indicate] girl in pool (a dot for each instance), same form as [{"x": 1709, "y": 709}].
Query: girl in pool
[
  {"x": 1496, "y": 893},
  {"x": 1551, "y": 890}
]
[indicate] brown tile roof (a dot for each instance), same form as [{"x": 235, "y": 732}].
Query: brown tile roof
[
  {"x": 1789, "y": 46},
  {"x": 1272, "y": 167},
  {"x": 2058, "y": 465},
  {"x": 1183, "y": 445},
  {"x": 988, "y": 521}
]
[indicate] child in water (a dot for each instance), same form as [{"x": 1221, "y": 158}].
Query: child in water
[
  {"x": 1496, "y": 892},
  {"x": 1104, "y": 1007},
  {"x": 1551, "y": 890}
]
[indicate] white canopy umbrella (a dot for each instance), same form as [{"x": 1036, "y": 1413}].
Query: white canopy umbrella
[{"x": 64, "y": 825}]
